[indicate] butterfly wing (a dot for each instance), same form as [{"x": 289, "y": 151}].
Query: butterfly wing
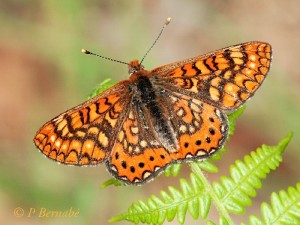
[
  {"x": 137, "y": 155},
  {"x": 85, "y": 134},
  {"x": 224, "y": 78},
  {"x": 201, "y": 128},
  {"x": 143, "y": 148}
]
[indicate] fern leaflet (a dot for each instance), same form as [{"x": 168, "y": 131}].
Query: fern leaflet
[
  {"x": 284, "y": 208},
  {"x": 235, "y": 191}
]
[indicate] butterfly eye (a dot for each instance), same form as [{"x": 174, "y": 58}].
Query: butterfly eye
[
  {"x": 134, "y": 66},
  {"x": 132, "y": 71}
]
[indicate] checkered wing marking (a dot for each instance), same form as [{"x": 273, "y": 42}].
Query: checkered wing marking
[
  {"x": 85, "y": 134},
  {"x": 224, "y": 78}
]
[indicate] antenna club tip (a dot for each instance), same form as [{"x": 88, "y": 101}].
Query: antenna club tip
[
  {"x": 85, "y": 51},
  {"x": 168, "y": 20}
]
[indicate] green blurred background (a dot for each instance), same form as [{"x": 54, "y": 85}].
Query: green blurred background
[{"x": 43, "y": 73}]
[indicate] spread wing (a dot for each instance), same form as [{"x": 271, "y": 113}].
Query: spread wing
[
  {"x": 190, "y": 130},
  {"x": 225, "y": 78},
  {"x": 85, "y": 134}
]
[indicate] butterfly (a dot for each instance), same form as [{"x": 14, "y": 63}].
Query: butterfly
[{"x": 174, "y": 113}]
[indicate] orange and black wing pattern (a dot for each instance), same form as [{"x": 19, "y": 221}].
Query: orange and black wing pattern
[
  {"x": 173, "y": 113},
  {"x": 185, "y": 130},
  {"x": 224, "y": 78},
  {"x": 85, "y": 134}
]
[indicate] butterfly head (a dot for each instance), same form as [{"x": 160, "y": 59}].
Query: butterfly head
[{"x": 134, "y": 66}]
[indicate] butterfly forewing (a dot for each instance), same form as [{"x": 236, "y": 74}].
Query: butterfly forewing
[
  {"x": 225, "y": 78},
  {"x": 84, "y": 135}
]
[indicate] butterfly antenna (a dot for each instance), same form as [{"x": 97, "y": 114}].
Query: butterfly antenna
[
  {"x": 162, "y": 29},
  {"x": 103, "y": 57}
]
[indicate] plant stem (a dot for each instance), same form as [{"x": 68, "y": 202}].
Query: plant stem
[{"x": 208, "y": 187}]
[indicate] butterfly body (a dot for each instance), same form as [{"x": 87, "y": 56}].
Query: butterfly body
[
  {"x": 173, "y": 113},
  {"x": 150, "y": 103}
]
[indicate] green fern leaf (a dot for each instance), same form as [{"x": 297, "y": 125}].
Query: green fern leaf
[
  {"x": 223, "y": 221},
  {"x": 208, "y": 166},
  {"x": 284, "y": 208},
  {"x": 100, "y": 88},
  {"x": 156, "y": 210},
  {"x": 235, "y": 191},
  {"x": 111, "y": 181},
  {"x": 232, "y": 119},
  {"x": 173, "y": 169}
]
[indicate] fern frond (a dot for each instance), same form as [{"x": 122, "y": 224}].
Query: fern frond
[
  {"x": 191, "y": 198},
  {"x": 231, "y": 194},
  {"x": 284, "y": 208},
  {"x": 235, "y": 191}
]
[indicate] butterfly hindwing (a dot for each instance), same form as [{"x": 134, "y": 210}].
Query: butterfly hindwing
[
  {"x": 137, "y": 155},
  {"x": 202, "y": 128}
]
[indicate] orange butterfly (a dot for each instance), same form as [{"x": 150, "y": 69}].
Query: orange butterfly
[{"x": 173, "y": 113}]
